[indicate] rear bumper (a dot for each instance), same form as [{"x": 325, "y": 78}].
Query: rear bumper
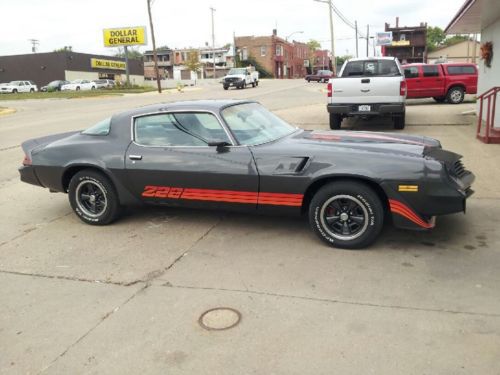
[
  {"x": 376, "y": 109},
  {"x": 28, "y": 175}
]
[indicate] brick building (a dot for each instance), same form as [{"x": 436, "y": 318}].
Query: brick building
[
  {"x": 408, "y": 43},
  {"x": 276, "y": 55},
  {"x": 321, "y": 60}
]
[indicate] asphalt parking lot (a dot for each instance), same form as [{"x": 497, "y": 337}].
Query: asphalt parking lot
[{"x": 127, "y": 298}]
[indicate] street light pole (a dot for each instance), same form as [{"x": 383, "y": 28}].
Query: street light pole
[
  {"x": 356, "y": 30},
  {"x": 332, "y": 39},
  {"x": 295, "y": 32},
  {"x": 212, "y": 9}
]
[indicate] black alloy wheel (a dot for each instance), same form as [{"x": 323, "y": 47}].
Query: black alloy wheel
[
  {"x": 346, "y": 214},
  {"x": 93, "y": 197}
]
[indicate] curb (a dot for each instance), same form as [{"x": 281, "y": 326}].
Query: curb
[{"x": 6, "y": 111}]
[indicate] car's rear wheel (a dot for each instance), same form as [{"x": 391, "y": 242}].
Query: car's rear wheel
[
  {"x": 93, "y": 198},
  {"x": 335, "y": 121},
  {"x": 253, "y": 84},
  {"x": 346, "y": 214},
  {"x": 399, "y": 121},
  {"x": 455, "y": 95}
]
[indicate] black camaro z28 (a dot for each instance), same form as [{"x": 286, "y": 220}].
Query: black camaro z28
[{"x": 237, "y": 155}]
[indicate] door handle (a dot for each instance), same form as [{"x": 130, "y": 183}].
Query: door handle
[
  {"x": 365, "y": 80},
  {"x": 365, "y": 90},
  {"x": 135, "y": 157}
]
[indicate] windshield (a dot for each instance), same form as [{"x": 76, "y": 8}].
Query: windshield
[
  {"x": 252, "y": 124},
  {"x": 237, "y": 71},
  {"x": 53, "y": 83}
]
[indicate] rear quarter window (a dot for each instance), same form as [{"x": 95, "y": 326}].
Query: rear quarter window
[
  {"x": 101, "y": 128},
  {"x": 430, "y": 70},
  {"x": 457, "y": 70}
]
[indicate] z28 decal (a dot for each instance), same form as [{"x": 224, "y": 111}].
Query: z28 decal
[{"x": 230, "y": 196}]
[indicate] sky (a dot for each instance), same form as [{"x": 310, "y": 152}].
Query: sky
[{"x": 187, "y": 23}]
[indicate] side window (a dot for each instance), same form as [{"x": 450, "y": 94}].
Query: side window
[
  {"x": 178, "y": 129},
  {"x": 411, "y": 72},
  {"x": 430, "y": 70},
  {"x": 263, "y": 50},
  {"x": 21, "y": 83},
  {"x": 101, "y": 128},
  {"x": 457, "y": 70}
]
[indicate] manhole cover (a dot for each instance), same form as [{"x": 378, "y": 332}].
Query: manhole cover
[{"x": 219, "y": 318}]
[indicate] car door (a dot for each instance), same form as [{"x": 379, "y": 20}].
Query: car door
[
  {"x": 171, "y": 162},
  {"x": 432, "y": 81},
  {"x": 413, "y": 81},
  {"x": 21, "y": 87}
]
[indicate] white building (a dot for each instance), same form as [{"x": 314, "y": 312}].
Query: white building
[{"x": 483, "y": 16}]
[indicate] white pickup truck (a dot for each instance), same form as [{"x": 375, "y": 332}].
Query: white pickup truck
[
  {"x": 240, "y": 78},
  {"x": 18, "y": 86},
  {"x": 368, "y": 87}
]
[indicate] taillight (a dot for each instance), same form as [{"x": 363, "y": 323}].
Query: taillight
[
  {"x": 26, "y": 160},
  {"x": 330, "y": 89},
  {"x": 402, "y": 88}
]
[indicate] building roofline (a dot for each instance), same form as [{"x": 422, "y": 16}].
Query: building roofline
[{"x": 465, "y": 7}]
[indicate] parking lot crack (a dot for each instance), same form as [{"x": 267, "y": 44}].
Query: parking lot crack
[
  {"x": 59, "y": 277},
  {"x": 94, "y": 327},
  {"x": 335, "y": 301}
]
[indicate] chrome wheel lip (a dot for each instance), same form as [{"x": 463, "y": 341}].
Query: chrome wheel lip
[
  {"x": 326, "y": 227},
  {"x": 82, "y": 207}
]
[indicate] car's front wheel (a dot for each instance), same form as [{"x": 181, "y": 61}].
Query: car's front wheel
[
  {"x": 225, "y": 87},
  {"x": 93, "y": 198},
  {"x": 346, "y": 214}
]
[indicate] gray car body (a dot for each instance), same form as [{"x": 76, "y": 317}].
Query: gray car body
[{"x": 292, "y": 166}]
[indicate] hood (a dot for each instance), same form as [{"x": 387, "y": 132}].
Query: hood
[
  {"x": 235, "y": 76},
  {"x": 394, "y": 143}
]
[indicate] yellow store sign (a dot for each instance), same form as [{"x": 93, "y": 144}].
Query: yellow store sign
[
  {"x": 125, "y": 36},
  {"x": 107, "y": 64}
]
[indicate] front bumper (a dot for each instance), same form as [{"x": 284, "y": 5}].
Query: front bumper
[
  {"x": 28, "y": 175},
  {"x": 376, "y": 109},
  {"x": 232, "y": 83}
]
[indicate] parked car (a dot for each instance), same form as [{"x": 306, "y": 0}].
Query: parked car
[
  {"x": 368, "y": 87},
  {"x": 236, "y": 155},
  {"x": 79, "y": 84},
  {"x": 240, "y": 78},
  {"x": 320, "y": 76},
  {"x": 104, "y": 83},
  {"x": 444, "y": 82},
  {"x": 14, "y": 87},
  {"x": 54, "y": 86}
]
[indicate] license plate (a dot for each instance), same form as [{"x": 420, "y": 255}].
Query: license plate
[{"x": 364, "y": 108}]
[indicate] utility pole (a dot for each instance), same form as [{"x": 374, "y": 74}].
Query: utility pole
[
  {"x": 34, "y": 43},
  {"x": 155, "y": 56},
  {"x": 127, "y": 72},
  {"x": 212, "y": 9},
  {"x": 367, "y": 39},
  {"x": 356, "y": 31},
  {"x": 334, "y": 60}
]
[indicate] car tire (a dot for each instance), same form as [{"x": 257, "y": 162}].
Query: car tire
[
  {"x": 244, "y": 85},
  {"x": 92, "y": 87},
  {"x": 14, "y": 91},
  {"x": 256, "y": 83},
  {"x": 335, "y": 121},
  {"x": 346, "y": 214},
  {"x": 253, "y": 84},
  {"x": 32, "y": 90},
  {"x": 455, "y": 95},
  {"x": 439, "y": 99},
  {"x": 93, "y": 198},
  {"x": 225, "y": 87},
  {"x": 399, "y": 121},
  {"x": 77, "y": 88},
  {"x": 308, "y": 80}
]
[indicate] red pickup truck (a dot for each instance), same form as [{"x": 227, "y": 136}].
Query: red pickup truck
[{"x": 444, "y": 82}]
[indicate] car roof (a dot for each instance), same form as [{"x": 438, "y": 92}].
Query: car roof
[{"x": 209, "y": 105}]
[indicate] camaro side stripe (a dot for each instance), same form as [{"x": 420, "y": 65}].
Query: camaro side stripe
[
  {"x": 230, "y": 196},
  {"x": 403, "y": 210}
]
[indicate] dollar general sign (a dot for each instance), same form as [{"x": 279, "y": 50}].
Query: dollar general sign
[{"x": 125, "y": 36}]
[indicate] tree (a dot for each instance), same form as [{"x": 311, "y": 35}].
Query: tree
[
  {"x": 193, "y": 62},
  {"x": 133, "y": 53},
  {"x": 342, "y": 59},
  {"x": 314, "y": 45},
  {"x": 64, "y": 49},
  {"x": 435, "y": 38}
]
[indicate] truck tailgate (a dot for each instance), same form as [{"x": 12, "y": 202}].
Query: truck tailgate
[{"x": 361, "y": 90}]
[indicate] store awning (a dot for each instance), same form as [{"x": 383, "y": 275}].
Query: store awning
[{"x": 474, "y": 16}]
